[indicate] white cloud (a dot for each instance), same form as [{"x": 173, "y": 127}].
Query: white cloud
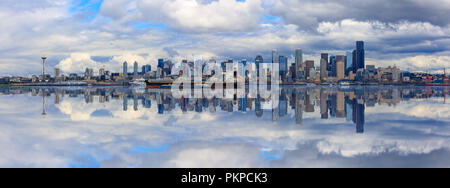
[{"x": 190, "y": 15}]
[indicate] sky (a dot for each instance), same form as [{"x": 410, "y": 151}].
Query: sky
[{"x": 75, "y": 34}]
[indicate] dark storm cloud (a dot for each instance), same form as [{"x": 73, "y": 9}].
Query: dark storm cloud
[{"x": 309, "y": 13}]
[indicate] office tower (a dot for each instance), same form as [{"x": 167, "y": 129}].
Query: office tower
[
  {"x": 283, "y": 62},
  {"x": 324, "y": 56},
  {"x": 244, "y": 68},
  {"x": 340, "y": 67},
  {"x": 354, "y": 63},
  {"x": 332, "y": 67},
  {"x": 146, "y": 69},
  {"x": 275, "y": 58},
  {"x": 57, "y": 72},
  {"x": 135, "y": 68},
  {"x": 161, "y": 63},
  {"x": 323, "y": 69},
  {"x": 360, "y": 55},
  {"x": 348, "y": 63},
  {"x": 312, "y": 74},
  {"x": 125, "y": 69},
  {"x": 299, "y": 61},
  {"x": 101, "y": 72},
  {"x": 308, "y": 65},
  {"x": 258, "y": 60}
]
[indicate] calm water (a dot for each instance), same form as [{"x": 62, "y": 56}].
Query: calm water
[{"x": 310, "y": 127}]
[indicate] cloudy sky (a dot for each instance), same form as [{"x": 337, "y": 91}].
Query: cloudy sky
[{"x": 75, "y": 34}]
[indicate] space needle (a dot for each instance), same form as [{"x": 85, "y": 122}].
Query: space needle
[{"x": 43, "y": 67}]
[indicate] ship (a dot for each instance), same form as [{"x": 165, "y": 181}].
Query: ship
[{"x": 138, "y": 83}]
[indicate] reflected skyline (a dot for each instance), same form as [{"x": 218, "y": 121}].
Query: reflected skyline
[
  {"x": 332, "y": 102},
  {"x": 309, "y": 127}
]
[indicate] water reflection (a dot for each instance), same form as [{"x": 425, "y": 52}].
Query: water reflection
[
  {"x": 152, "y": 124},
  {"x": 333, "y": 103}
]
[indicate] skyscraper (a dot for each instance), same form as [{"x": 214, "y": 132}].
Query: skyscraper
[
  {"x": 283, "y": 62},
  {"x": 275, "y": 58},
  {"x": 258, "y": 60},
  {"x": 57, "y": 72},
  {"x": 360, "y": 55},
  {"x": 340, "y": 67},
  {"x": 332, "y": 67},
  {"x": 348, "y": 63},
  {"x": 299, "y": 60},
  {"x": 146, "y": 69},
  {"x": 308, "y": 65},
  {"x": 161, "y": 63},
  {"x": 125, "y": 69},
  {"x": 323, "y": 69},
  {"x": 136, "y": 67}
]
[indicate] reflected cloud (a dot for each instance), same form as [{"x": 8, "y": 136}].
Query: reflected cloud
[{"x": 310, "y": 127}]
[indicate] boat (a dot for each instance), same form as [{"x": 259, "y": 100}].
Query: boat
[
  {"x": 154, "y": 84},
  {"x": 138, "y": 83}
]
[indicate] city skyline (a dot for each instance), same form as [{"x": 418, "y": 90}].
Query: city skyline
[{"x": 107, "y": 33}]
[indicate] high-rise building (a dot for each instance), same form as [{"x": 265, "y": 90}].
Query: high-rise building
[
  {"x": 324, "y": 56},
  {"x": 244, "y": 68},
  {"x": 299, "y": 59},
  {"x": 125, "y": 69},
  {"x": 323, "y": 69},
  {"x": 354, "y": 63},
  {"x": 348, "y": 63},
  {"x": 101, "y": 72},
  {"x": 161, "y": 63},
  {"x": 57, "y": 72},
  {"x": 332, "y": 67},
  {"x": 146, "y": 69},
  {"x": 360, "y": 55},
  {"x": 258, "y": 60},
  {"x": 308, "y": 65},
  {"x": 136, "y": 67},
  {"x": 275, "y": 57},
  {"x": 283, "y": 62},
  {"x": 340, "y": 67}
]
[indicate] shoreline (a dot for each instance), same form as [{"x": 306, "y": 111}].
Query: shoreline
[{"x": 289, "y": 84}]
